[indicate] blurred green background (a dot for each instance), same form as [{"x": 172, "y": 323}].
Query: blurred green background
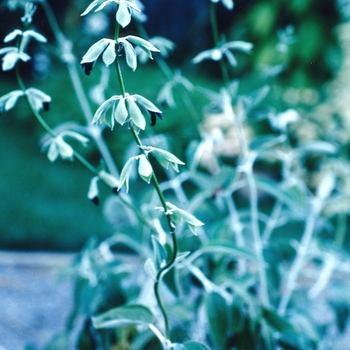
[{"x": 44, "y": 205}]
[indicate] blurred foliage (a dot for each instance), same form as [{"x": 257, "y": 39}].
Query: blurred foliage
[{"x": 310, "y": 60}]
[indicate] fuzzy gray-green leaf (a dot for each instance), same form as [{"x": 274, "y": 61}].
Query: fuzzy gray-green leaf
[{"x": 124, "y": 316}]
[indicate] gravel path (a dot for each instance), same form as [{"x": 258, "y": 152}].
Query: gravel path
[{"x": 33, "y": 304}]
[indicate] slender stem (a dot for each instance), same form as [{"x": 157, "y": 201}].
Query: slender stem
[
  {"x": 298, "y": 262},
  {"x": 155, "y": 182},
  {"x": 70, "y": 60},
  {"x": 341, "y": 229},
  {"x": 247, "y": 169}
]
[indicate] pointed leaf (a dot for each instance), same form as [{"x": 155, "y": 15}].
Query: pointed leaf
[
  {"x": 150, "y": 269},
  {"x": 160, "y": 254},
  {"x": 124, "y": 316},
  {"x": 192, "y": 345},
  {"x": 218, "y": 318},
  {"x": 277, "y": 322},
  {"x": 217, "y": 247}
]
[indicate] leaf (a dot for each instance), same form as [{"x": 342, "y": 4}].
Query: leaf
[
  {"x": 192, "y": 345},
  {"x": 293, "y": 196},
  {"x": 217, "y": 247},
  {"x": 266, "y": 141},
  {"x": 218, "y": 319},
  {"x": 124, "y": 316},
  {"x": 145, "y": 169},
  {"x": 160, "y": 254},
  {"x": 279, "y": 323},
  {"x": 125, "y": 174},
  {"x": 317, "y": 147},
  {"x": 150, "y": 269}
]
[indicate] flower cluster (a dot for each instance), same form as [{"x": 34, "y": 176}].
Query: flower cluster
[{"x": 107, "y": 48}]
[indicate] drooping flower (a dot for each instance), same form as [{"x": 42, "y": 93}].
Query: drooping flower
[
  {"x": 104, "y": 47},
  {"x": 218, "y": 53},
  {"x": 127, "y": 108},
  {"x": 124, "y": 12},
  {"x": 12, "y": 54}
]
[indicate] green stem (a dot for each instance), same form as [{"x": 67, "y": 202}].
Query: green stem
[{"x": 155, "y": 182}]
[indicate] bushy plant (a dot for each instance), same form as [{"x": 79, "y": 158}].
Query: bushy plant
[{"x": 224, "y": 254}]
